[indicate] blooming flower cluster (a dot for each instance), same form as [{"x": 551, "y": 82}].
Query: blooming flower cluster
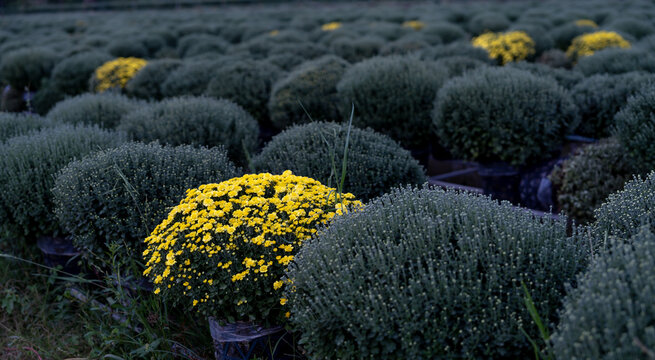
[
  {"x": 223, "y": 250},
  {"x": 586, "y": 22},
  {"x": 506, "y": 47},
  {"x": 331, "y": 26},
  {"x": 116, "y": 73},
  {"x": 588, "y": 44},
  {"x": 414, "y": 24}
]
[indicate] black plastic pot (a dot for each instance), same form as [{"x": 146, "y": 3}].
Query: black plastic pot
[
  {"x": 500, "y": 181},
  {"x": 58, "y": 251}
]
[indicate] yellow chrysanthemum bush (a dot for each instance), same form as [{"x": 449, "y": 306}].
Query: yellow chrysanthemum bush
[
  {"x": 588, "y": 44},
  {"x": 116, "y": 73},
  {"x": 224, "y": 249},
  {"x": 586, "y": 22},
  {"x": 506, "y": 47},
  {"x": 331, "y": 26},
  {"x": 414, "y": 24}
]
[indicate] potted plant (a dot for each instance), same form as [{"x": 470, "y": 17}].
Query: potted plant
[
  {"x": 223, "y": 251},
  {"x": 506, "y": 119}
]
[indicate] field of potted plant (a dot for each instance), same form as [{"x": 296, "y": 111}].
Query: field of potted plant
[{"x": 319, "y": 180}]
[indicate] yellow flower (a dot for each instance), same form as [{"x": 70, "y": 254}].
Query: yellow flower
[
  {"x": 283, "y": 301},
  {"x": 157, "y": 290},
  {"x": 506, "y": 47},
  {"x": 414, "y": 24},
  {"x": 274, "y": 32},
  {"x": 116, "y": 73},
  {"x": 586, "y": 22},
  {"x": 331, "y": 26},
  {"x": 588, "y": 44},
  {"x": 278, "y": 284},
  {"x": 195, "y": 302},
  {"x": 287, "y": 314}
]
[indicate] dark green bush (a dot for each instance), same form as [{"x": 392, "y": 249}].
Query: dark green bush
[
  {"x": 27, "y": 173},
  {"x": 445, "y": 32},
  {"x": 314, "y": 85},
  {"x": 563, "y": 35},
  {"x": 305, "y": 50},
  {"x": 555, "y": 58},
  {"x": 458, "y": 65},
  {"x": 627, "y": 210},
  {"x": 45, "y": 99},
  {"x": 122, "y": 194},
  {"x": 27, "y": 67},
  {"x": 457, "y": 49},
  {"x": 148, "y": 82},
  {"x": 430, "y": 274},
  {"x": 584, "y": 181},
  {"x": 616, "y": 61},
  {"x": 196, "y": 44},
  {"x": 20, "y": 124},
  {"x": 488, "y": 21},
  {"x": 634, "y": 126},
  {"x": 375, "y": 162},
  {"x": 127, "y": 47},
  {"x": 191, "y": 78},
  {"x": 247, "y": 83},
  {"x": 600, "y": 97},
  {"x": 634, "y": 27},
  {"x": 503, "y": 114},
  {"x": 195, "y": 121},
  {"x": 566, "y": 78},
  {"x": 71, "y": 76},
  {"x": 286, "y": 62},
  {"x": 610, "y": 314},
  {"x": 386, "y": 30},
  {"x": 357, "y": 49},
  {"x": 542, "y": 41},
  {"x": 406, "y": 45},
  {"x": 104, "y": 110},
  {"x": 393, "y": 96}
]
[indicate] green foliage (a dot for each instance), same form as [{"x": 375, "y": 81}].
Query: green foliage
[
  {"x": 148, "y": 82},
  {"x": 627, "y": 210},
  {"x": 122, "y": 194},
  {"x": 502, "y": 114},
  {"x": 20, "y": 124},
  {"x": 610, "y": 314},
  {"x": 357, "y": 49},
  {"x": 127, "y": 47},
  {"x": 313, "y": 85},
  {"x": 27, "y": 170},
  {"x": 27, "y": 67},
  {"x": 458, "y": 65},
  {"x": 191, "y": 78},
  {"x": 247, "y": 83},
  {"x": 464, "y": 49},
  {"x": 633, "y": 27},
  {"x": 104, "y": 110},
  {"x": 488, "y": 21},
  {"x": 393, "y": 95},
  {"x": 197, "y": 44},
  {"x": 600, "y": 97},
  {"x": 616, "y": 61},
  {"x": 566, "y": 78},
  {"x": 445, "y": 32},
  {"x": 428, "y": 274},
  {"x": 404, "y": 46},
  {"x": 71, "y": 76},
  {"x": 195, "y": 121},
  {"x": 375, "y": 162},
  {"x": 635, "y": 128},
  {"x": 563, "y": 35},
  {"x": 584, "y": 181}
]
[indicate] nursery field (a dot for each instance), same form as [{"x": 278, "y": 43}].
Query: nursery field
[{"x": 348, "y": 180}]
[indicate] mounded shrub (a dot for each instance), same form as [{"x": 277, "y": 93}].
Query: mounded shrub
[
  {"x": 488, "y": 21},
  {"x": 406, "y": 45},
  {"x": 586, "y": 45},
  {"x": 626, "y": 211},
  {"x": 71, "y": 76},
  {"x": 148, "y": 82},
  {"x": 27, "y": 67},
  {"x": 247, "y": 83},
  {"x": 542, "y": 41},
  {"x": 458, "y": 65},
  {"x": 445, "y": 32},
  {"x": 506, "y": 47},
  {"x": 634, "y": 126},
  {"x": 555, "y": 58},
  {"x": 610, "y": 314},
  {"x": 634, "y": 27},
  {"x": 314, "y": 85},
  {"x": 502, "y": 114},
  {"x": 375, "y": 162},
  {"x": 616, "y": 61},
  {"x": 27, "y": 173},
  {"x": 457, "y": 49},
  {"x": 563, "y": 35},
  {"x": 196, "y": 44},
  {"x": 305, "y": 50},
  {"x": 286, "y": 62},
  {"x": 191, "y": 78},
  {"x": 357, "y": 49},
  {"x": 584, "y": 181},
  {"x": 104, "y": 110},
  {"x": 121, "y": 194},
  {"x": 195, "y": 121},
  {"x": 457, "y": 256},
  {"x": 127, "y": 47},
  {"x": 394, "y": 96},
  {"x": 566, "y": 78},
  {"x": 12, "y": 124},
  {"x": 600, "y": 97},
  {"x": 114, "y": 74}
]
